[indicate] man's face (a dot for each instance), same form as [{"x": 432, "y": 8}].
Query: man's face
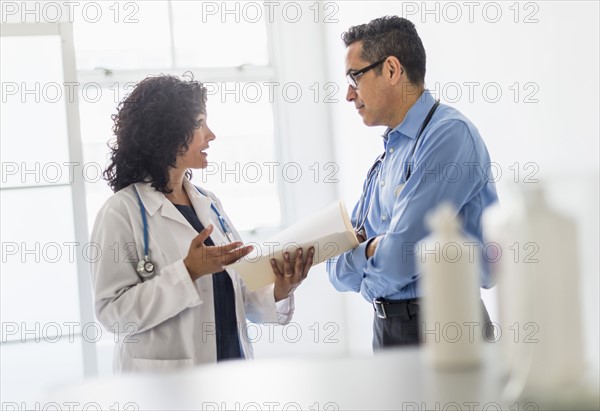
[{"x": 371, "y": 95}]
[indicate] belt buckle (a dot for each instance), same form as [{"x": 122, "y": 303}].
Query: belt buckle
[{"x": 383, "y": 314}]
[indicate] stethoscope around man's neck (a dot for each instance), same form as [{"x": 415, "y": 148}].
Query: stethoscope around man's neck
[
  {"x": 146, "y": 269},
  {"x": 375, "y": 169}
]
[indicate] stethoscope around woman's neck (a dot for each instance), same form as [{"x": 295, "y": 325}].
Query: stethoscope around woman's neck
[
  {"x": 375, "y": 169},
  {"x": 146, "y": 269}
]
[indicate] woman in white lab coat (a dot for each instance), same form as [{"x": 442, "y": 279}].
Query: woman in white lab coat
[{"x": 183, "y": 308}]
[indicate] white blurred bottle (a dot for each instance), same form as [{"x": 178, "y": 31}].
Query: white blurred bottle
[
  {"x": 503, "y": 231},
  {"x": 540, "y": 308},
  {"x": 452, "y": 315}
]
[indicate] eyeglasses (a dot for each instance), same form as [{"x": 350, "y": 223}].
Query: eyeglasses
[{"x": 353, "y": 75}]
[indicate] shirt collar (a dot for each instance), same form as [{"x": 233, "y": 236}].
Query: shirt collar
[{"x": 414, "y": 117}]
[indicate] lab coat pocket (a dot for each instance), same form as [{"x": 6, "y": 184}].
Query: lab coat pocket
[{"x": 149, "y": 365}]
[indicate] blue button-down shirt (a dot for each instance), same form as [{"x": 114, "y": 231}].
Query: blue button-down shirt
[{"x": 450, "y": 164}]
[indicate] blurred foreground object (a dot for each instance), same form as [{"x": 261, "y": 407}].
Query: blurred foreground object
[
  {"x": 452, "y": 328},
  {"x": 539, "y": 302}
]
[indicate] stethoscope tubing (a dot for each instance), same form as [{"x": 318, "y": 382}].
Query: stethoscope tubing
[
  {"x": 374, "y": 170},
  {"x": 146, "y": 274}
]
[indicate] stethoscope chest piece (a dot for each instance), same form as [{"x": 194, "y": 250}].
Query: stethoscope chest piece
[{"x": 145, "y": 268}]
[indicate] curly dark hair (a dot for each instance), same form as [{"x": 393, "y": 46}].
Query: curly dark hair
[
  {"x": 391, "y": 36},
  {"x": 153, "y": 125}
]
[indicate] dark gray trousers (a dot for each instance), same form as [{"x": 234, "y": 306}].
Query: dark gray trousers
[{"x": 404, "y": 328}]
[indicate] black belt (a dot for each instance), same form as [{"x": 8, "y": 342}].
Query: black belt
[{"x": 393, "y": 308}]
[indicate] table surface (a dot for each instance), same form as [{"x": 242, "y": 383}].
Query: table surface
[{"x": 398, "y": 379}]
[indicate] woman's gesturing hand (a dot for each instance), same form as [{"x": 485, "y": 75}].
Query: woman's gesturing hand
[
  {"x": 203, "y": 259},
  {"x": 294, "y": 272}
]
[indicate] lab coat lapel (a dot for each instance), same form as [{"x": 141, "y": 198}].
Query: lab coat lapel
[
  {"x": 200, "y": 203},
  {"x": 172, "y": 234},
  {"x": 202, "y": 206},
  {"x": 168, "y": 210},
  {"x": 155, "y": 201}
]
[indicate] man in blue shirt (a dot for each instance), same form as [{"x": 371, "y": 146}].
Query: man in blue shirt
[{"x": 432, "y": 154}]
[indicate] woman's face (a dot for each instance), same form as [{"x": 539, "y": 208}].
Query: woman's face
[{"x": 196, "y": 156}]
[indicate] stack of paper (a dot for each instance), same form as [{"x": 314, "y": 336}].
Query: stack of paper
[{"x": 329, "y": 230}]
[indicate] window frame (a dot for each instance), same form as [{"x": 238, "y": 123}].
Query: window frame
[
  {"x": 65, "y": 31},
  {"x": 106, "y": 77}
]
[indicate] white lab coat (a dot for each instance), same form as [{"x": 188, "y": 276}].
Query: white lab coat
[{"x": 168, "y": 321}]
